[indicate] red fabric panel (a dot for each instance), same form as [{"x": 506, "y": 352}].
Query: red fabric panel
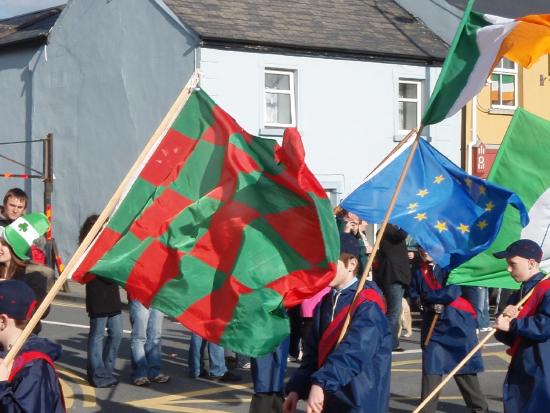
[
  {"x": 105, "y": 241},
  {"x": 158, "y": 260},
  {"x": 165, "y": 164},
  {"x": 222, "y": 127},
  {"x": 156, "y": 219}
]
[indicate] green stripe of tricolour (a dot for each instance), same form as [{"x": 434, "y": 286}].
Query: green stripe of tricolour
[
  {"x": 140, "y": 196},
  {"x": 264, "y": 256},
  {"x": 459, "y": 63},
  {"x": 271, "y": 325},
  {"x": 521, "y": 165},
  {"x": 196, "y": 116}
]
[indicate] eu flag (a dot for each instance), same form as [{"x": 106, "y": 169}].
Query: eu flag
[{"x": 451, "y": 214}]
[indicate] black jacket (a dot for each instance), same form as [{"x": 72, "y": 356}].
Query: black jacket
[
  {"x": 392, "y": 260},
  {"x": 102, "y": 298}
]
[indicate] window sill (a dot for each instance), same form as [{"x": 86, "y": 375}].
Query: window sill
[
  {"x": 502, "y": 111},
  {"x": 275, "y": 132}
]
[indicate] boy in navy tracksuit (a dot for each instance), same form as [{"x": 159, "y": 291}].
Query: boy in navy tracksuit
[
  {"x": 353, "y": 376},
  {"x": 30, "y": 385}
]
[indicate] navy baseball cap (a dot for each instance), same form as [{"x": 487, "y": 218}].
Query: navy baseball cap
[
  {"x": 524, "y": 248},
  {"x": 17, "y": 300},
  {"x": 349, "y": 245}
]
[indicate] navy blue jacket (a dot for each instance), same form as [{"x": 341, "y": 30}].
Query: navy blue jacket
[
  {"x": 35, "y": 389},
  {"x": 527, "y": 386},
  {"x": 268, "y": 372},
  {"x": 455, "y": 331},
  {"x": 356, "y": 374}
]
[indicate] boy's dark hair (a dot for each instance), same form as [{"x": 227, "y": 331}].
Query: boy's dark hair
[
  {"x": 345, "y": 257},
  {"x": 86, "y": 227},
  {"x": 17, "y": 193}
]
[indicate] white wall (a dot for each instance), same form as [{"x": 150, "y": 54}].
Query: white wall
[{"x": 346, "y": 110}]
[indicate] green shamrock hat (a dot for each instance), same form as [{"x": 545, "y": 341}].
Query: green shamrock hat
[{"x": 22, "y": 232}]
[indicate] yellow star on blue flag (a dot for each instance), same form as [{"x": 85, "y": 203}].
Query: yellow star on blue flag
[{"x": 456, "y": 215}]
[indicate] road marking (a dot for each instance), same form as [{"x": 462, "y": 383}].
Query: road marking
[
  {"x": 86, "y": 327},
  {"x": 67, "y": 304},
  {"x": 88, "y": 392},
  {"x": 176, "y": 402}
]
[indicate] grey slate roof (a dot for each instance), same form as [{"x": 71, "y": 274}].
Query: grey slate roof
[
  {"x": 367, "y": 29},
  {"x": 507, "y": 8},
  {"x": 378, "y": 30},
  {"x": 29, "y": 28}
]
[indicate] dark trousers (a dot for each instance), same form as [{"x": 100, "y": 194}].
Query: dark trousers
[
  {"x": 295, "y": 322},
  {"x": 468, "y": 385},
  {"x": 266, "y": 403}
]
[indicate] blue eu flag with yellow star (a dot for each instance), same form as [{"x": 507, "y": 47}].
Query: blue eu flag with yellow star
[{"x": 451, "y": 214}]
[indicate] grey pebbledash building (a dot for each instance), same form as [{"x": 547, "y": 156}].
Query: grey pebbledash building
[{"x": 100, "y": 75}]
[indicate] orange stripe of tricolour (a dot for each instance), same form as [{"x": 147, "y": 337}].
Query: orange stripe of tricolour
[{"x": 529, "y": 40}]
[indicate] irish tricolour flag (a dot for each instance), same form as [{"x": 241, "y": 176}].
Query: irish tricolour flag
[{"x": 480, "y": 42}]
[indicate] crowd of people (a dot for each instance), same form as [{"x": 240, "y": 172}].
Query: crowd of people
[{"x": 343, "y": 337}]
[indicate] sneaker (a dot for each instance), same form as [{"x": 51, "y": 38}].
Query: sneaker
[
  {"x": 229, "y": 377},
  {"x": 398, "y": 350},
  {"x": 485, "y": 329},
  {"x": 142, "y": 381},
  {"x": 160, "y": 378},
  {"x": 245, "y": 366}
]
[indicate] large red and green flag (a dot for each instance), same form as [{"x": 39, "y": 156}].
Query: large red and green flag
[
  {"x": 480, "y": 42},
  {"x": 220, "y": 230},
  {"x": 522, "y": 166}
]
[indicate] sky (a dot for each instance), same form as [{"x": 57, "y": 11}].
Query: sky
[{"x": 10, "y": 8}]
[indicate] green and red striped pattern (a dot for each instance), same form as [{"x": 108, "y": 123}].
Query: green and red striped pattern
[{"x": 221, "y": 230}]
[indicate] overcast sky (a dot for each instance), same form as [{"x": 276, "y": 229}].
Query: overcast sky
[{"x": 9, "y": 8}]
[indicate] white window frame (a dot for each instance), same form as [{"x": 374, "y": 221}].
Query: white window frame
[
  {"x": 291, "y": 92},
  {"x": 503, "y": 71},
  {"x": 418, "y": 102}
]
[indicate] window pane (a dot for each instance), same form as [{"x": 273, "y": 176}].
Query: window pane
[
  {"x": 277, "y": 81},
  {"x": 495, "y": 90},
  {"x": 508, "y": 90},
  {"x": 278, "y": 108},
  {"x": 407, "y": 115},
  {"x": 507, "y": 64},
  {"x": 408, "y": 90}
]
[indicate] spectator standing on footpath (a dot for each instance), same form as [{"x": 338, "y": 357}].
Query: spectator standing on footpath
[
  {"x": 393, "y": 275},
  {"x": 527, "y": 331},
  {"x": 104, "y": 310},
  {"x": 15, "y": 247},
  {"x": 30, "y": 384}
]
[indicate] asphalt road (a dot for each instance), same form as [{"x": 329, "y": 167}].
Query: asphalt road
[{"x": 67, "y": 324}]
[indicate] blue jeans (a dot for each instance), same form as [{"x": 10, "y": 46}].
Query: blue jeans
[
  {"x": 479, "y": 297},
  {"x": 145, "y": 340},
  {"x": 102, "y": 351},
  {"x": 215, "y": 355},
  {"x": 394, "y": 296}
]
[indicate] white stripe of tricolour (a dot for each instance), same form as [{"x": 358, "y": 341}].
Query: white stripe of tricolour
[
  {"x": 489, "y": 39},
  {"x": 390, "y": 159},
  {"x": 29, "y": 234}
]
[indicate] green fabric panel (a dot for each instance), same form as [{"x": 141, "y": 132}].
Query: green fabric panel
[
  {"x": 140, "y": 196},
  {"x": 196, "y": 116},
  {"x": 196, "y": 281},
  {"x": 265, "y": 196},
  {"x": 271, "y": 324},
  {"x": 190, "y": 225},
  {"x": 117, "y": 263},
  {"x": 201, "y": 173},
  {"x": 264, "y": 256}
]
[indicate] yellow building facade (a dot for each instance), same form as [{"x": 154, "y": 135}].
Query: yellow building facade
[{"x": 506, "y": 89}]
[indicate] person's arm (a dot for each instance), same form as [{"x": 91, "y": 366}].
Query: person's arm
[
  {"x": 35, "y": 389},
  {"x": 356, "y": 351},
  {"x": 536, "y": 327}
]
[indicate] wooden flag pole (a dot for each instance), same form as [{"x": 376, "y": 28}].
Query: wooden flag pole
[
  {"x": 363, "y": 279},
  {"x": 468, "y": 356},
  {"x": 79, "y": 255},
  {"x": 431, "y": 330}
]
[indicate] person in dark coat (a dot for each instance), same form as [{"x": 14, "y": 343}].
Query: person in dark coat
[
  {"x": 393, "y": 275},
  {"x": 526, "y": 331},
  {"x": 30, "y": 385},
  {"x": 104, "y": 309},
  {"x": 268, "y": 376},
  {"x": 353, "y": 376},
  {"x": 453, "y": 337}
]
